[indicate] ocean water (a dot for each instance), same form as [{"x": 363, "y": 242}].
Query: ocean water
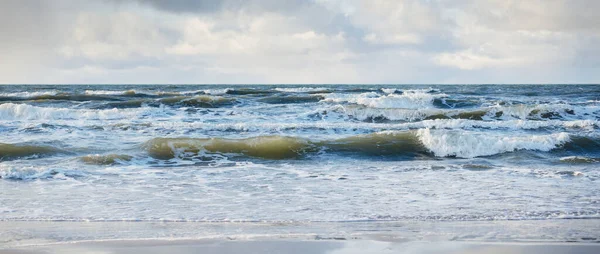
[{"x": 280, "y": 153}]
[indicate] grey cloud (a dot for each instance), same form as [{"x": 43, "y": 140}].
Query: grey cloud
[
  {"x": 552, "y": 15},
  {"x": 209, "y": 6},
  {"x": 26, "y": 23},
  {"x": 136, "y": 61},
  {"x": 185, "y": 5}
]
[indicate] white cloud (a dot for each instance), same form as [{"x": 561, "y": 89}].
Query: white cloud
[
  {"x": 319, "y": 41},
  {"x": 485, "y": 42},
  {"x": 467, "y": 60}
]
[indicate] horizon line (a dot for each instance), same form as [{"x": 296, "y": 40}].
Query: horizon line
[{"x": 296, "y": 84}]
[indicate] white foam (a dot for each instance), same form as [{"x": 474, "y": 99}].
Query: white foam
[
  {"x": 394, "y": 114},
  {"x": 11, "y": 111},
  {"x": 410, "y": 99},
  {"x": 389, "y": 90},
  {"x": 301, "y": 89},
  {"x": 190, "y": 92},
  {"x": 508, "y": 124},
  {"x": 468, "y": 144},
  {"x": 578, "y": 159},
  {"x": 217, "y": 91},
  {"x": 8, "y": 171},
  {"x": 118, "y": 92},
  {"x": 508, "y": 112},
  {"x": 28, "y": 94},
  {"x": 103, "y": 92},
  {"x": 534, "y": 111},
  {"x": 124, "y": 92}
]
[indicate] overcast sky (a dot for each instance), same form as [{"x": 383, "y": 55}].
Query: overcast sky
[{"x": 295, "y": 41}]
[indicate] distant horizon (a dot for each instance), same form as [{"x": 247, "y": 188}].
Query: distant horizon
[{"x": 296, "y": 84}]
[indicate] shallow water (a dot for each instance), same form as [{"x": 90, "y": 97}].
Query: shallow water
[{"x": 299, "y": 153}]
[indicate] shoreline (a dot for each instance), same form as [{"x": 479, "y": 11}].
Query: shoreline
[
  {"x": 302, "y": 246},
  {"x": 36, "y": 235}
]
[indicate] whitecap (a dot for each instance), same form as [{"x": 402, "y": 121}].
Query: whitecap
[{"x": 469, "y": 144}]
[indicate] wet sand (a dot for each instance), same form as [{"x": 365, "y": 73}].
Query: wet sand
[
  {"x": 547, "y": 236},
  {"x": 302, "y": 246}
]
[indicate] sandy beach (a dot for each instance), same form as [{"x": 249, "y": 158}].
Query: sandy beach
[
  {"x": 559, "y": 236},
  {"x": 302, "y": 246}
]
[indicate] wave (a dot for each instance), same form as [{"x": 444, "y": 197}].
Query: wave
[
  {"x": 283, "y": 147},
  {"x": 111, "y": 92},
  {"x": 387, "y": 143},
  {"x": 106, "y": 159},
  {"x": 12, "y": 111},
  {"x": 136, "y": 93},
  {"x": 27, "y": 94},
  {"x": 88, "y": 95},
  {"x": 359, "y": 127},
  {"x": 125, "y": 104},
  {"x": 410, "y": 99},
  {"x": 390, "y": 90},
  {"x": 539, "y": 111},
  {"x": 358, "y": 90},
  {"x": 268, "y": 147},
  {"x": 132, "y": 93},
  {"x": 20, "y": 172},
  {"x": 59, "y": 97},
  {"x": 467, "y": 144},
  {"x": 304, "y": 90},
  {"x": 16, "y": 151},
  {"x": 419, "y": 143},
  {"x": 248, "y": 91},
  {"x": 583, "y": 145},
  {"x": 526, "y": 112},
  {"x": 579, "y": 159},
  {"x": 368, "y": 114},
  {"x": 216, "y": 91},
  {"x": 203, "y": 101},
  {"x": 455, "y": 103},
  {"x": 91, "y": 95},
  {"x": 290, "y": 99}
]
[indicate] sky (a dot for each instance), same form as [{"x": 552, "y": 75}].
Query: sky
[{"x": 299, "y": 41}]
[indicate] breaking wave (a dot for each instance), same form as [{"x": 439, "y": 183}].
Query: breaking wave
[
  {"x": 525, "y": 112},
  {"x": 12, "y": 111},
  {"x": 304, "y": 89},
  {"x": 290, "y": 99},
  {"x": 410, "y": 99},
  {"x": 14, "y": 151},
  {"x": 17, "y": 172},
  {"x": 268, "y": 147},
  {"x": 106, "y": 159},
  {"x": 203, "y": 101},
  {"x": 422, "y": 142},
  {"x": 26, "y": 94},
  {"x": 465, "y": 144}
]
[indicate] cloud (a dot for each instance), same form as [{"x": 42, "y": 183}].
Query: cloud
[
  {"x": 185, "y": 5},
  {"x": 317, "y": 41},
  {"x": 518, "y": 34},
  {"x": 212, "y": 6}
]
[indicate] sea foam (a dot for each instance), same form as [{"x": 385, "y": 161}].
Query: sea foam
[
  {"x": 468, "y": 144},
  {"x": 409, "y": 99},
  {"x": 12, "y": 111}
]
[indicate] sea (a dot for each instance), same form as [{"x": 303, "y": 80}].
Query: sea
[{"x": 307, "y": 155}]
